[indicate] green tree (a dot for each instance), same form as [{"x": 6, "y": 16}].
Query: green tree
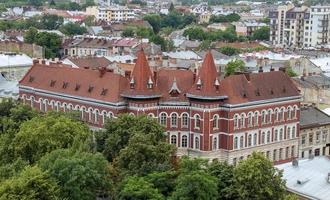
[
  {"x": 42, "y": 135},
  {"x": 144, "y": 32},
  {"x": 90, "y": 21},
  {"x": 195, "y": 33},
  {"x": 145, "y": 154},
  {"x": 72, "y": 29},
  {"x": 32, "y": 184},
  {"x": 205, "y": 45},
  {"x": 118, "y": 132},
  {"x": 80, "y": 175},
  {"x": 154, "y": 20},
  {"x": 171, "y": 9},
  {"x": 8, "y": 170},
  {"x": 163, "y": 181},
  {"x": 30, "y": 35},
  {"x": 128, "y": 32},
  {"x": 261, "y": 33},
  {"x": 195, "y": 185},
  {"x": 51, "y": 22},
  {"x": 234, "y": 66},
  {"x": 50, "y": 41},
  {"x": 157, "y": 39},
  {"x": 224, "y": 174},
  {"x": 257, "y": 178},
  {"x": 225, "y": 18},
  {"x": 290, "y": 72},
  {"x": 138, "y": 188},
  {"x": 229, "y": 51}
]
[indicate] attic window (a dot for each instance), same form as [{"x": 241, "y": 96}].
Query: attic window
[
  {"x": 104, "y": 92},
  {"x": 150, "y": 83},
  {"x": 199, "y": 84},
  {"x": 52, "y": 83},
  {"x": 284, "y": 89},
  {"x": 31, "y": 79},
  {"x": 77, "y": 87},
  {"x": 271, "y": 91},
  {"x": 131, "y": 83},
  {"x": 65, "y": 85},
  {"x": 90, "y": 88},
  {"x": 244, "y": 94},
  {"x": 257, "y": 92}
]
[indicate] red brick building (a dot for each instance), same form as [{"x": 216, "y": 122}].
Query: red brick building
[{"x": 204, "y": 116}]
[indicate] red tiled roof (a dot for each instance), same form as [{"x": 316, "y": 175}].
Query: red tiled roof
[
  {"x": 237, "y": 89},
  {"x": 207, "y": 82},
  {"x": 90, "y": 62},
  {"x": 140, "y": 78},
  {"x": 43, "y": 75}
]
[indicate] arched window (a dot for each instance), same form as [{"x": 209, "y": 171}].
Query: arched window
[
  {"x": 184, "y": 141},
  {"x": 263, "y": 117},
  {"x": 197, "y": 121},
  {"x": 293, "y": 135},
  {"x": 236, "y": 122},
  {"x": 250, "y": 120},
  {"x": 294, "y": 112},
  {"x": 282, "y": 114},
  {"x": 215, "y": 143},
  {"x": 45, "y": 105},
  {"x": 268, "y": 137},
  {"x": 276, "y": 115},
  {"x": 110, "y": 115},
  {"x": 289, "y": 113},
  {"x": 236, "y": 143},
  {"x": 96, "y": 118},
  {"x": 249, "y": 140},
  {"x": 104, "y": 117},
  {"x": 185, "y": 120},
  {"x": 196, "y": 142},
  {"x": 288, "y": 133},
  {"x": 242, "y": 125},
  {"x": 52, "y": 103},
  {"x": 255, "y": 139},
  {"x": 173, "y": 139},
  {"x": 41, "y": 105},
  {"x": 90, "y": 112},
  {"x": 276, "y": 135},
  {"x": 83, "y": 111},
  {"x": 32, "y": 101},
  {"x": 241, "y": 142},
  {"x": 64, "y": 105},
  {"x": 163, "y": 119},
  {"x": 256, "y": 121},
  {"x": 57, "y": 106},
  {"x": 281, "y": 135},
  {"x": 269, "y": 116},
  {"x": 70, "y": 107},
  {"x": 215, "y": 122},
  {"x": 174, "y": 120},
  {"x": 263, "y": 137}
]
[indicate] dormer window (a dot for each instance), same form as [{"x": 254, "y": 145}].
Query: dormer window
[
  {"x": 132, "y": 83},
  {"x": 217, "y": 83},
  {"x": 199, "y": 84},
  {"x": 77, "y": 87},
  {"x": 104, "y": 92},
  {"x": 150, "y": 83},
  {"x": 90, "y": 88},
  {"x": 31, "y": 79},
  {"x": 65, "y": 85},
  {"x": 174, "y": 89},
  {"x": 52, "y": 83}
]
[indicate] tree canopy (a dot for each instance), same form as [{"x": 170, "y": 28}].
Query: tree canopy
[{"x": 234, "y": 66}]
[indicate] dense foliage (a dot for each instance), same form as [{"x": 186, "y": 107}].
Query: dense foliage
[{"x": 52, "y": 156}]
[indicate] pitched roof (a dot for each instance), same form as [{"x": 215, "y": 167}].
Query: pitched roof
[
  {"x": 84, "y": 83},
  {"x": 142, "y": 83},
  {"x": 207, "y": 82},
  {"x": 90, "y": 62},
  {"x": 311, "y": 117}
]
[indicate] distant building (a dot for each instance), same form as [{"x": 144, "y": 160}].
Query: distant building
[
  {"x": 14, "y": 66},
  {"x": 314, "y": 132},
  {"x": 204, "y": 116},
  {"x": 111, "y": 13},
  {"x": 247, "y": 28}
]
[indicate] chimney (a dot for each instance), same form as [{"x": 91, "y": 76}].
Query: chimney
[
  {"x": 35, "y": 61},
  {"x": 282, "y": 69},
  {"x": 272, "y": 69},
  {"x": 127, "y": 74},
  {"x": 295, "y": 163},
  {"x": 260, "y": 69},
  {"x": 43, "y": 62},
  {"x": 102, "y": 71}
]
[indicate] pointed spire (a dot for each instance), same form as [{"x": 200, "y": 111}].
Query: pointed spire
[{"x": 141, "y": 73}]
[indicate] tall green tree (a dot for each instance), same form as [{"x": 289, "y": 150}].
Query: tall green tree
[
  {"x": 138, "y": 188},
  {"x": 119, "y": 131},
  {"x": 261, "y": 33},
  {"x": 42, "y": 135},
  {"x": 80, "y": 175},
  {"x": 128, "y": 32},
  {"x": 51, "y": 22},
  {"x": 154, "y": 20},
  {"x": 32, "y": 184},
  {"x": 256, "y": 178},
  {"x": 72, "y": 29},
  {"x": 234, "y": 66}
]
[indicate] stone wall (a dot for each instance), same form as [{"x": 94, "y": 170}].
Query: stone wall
[{"x": 32, "y": 50}]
